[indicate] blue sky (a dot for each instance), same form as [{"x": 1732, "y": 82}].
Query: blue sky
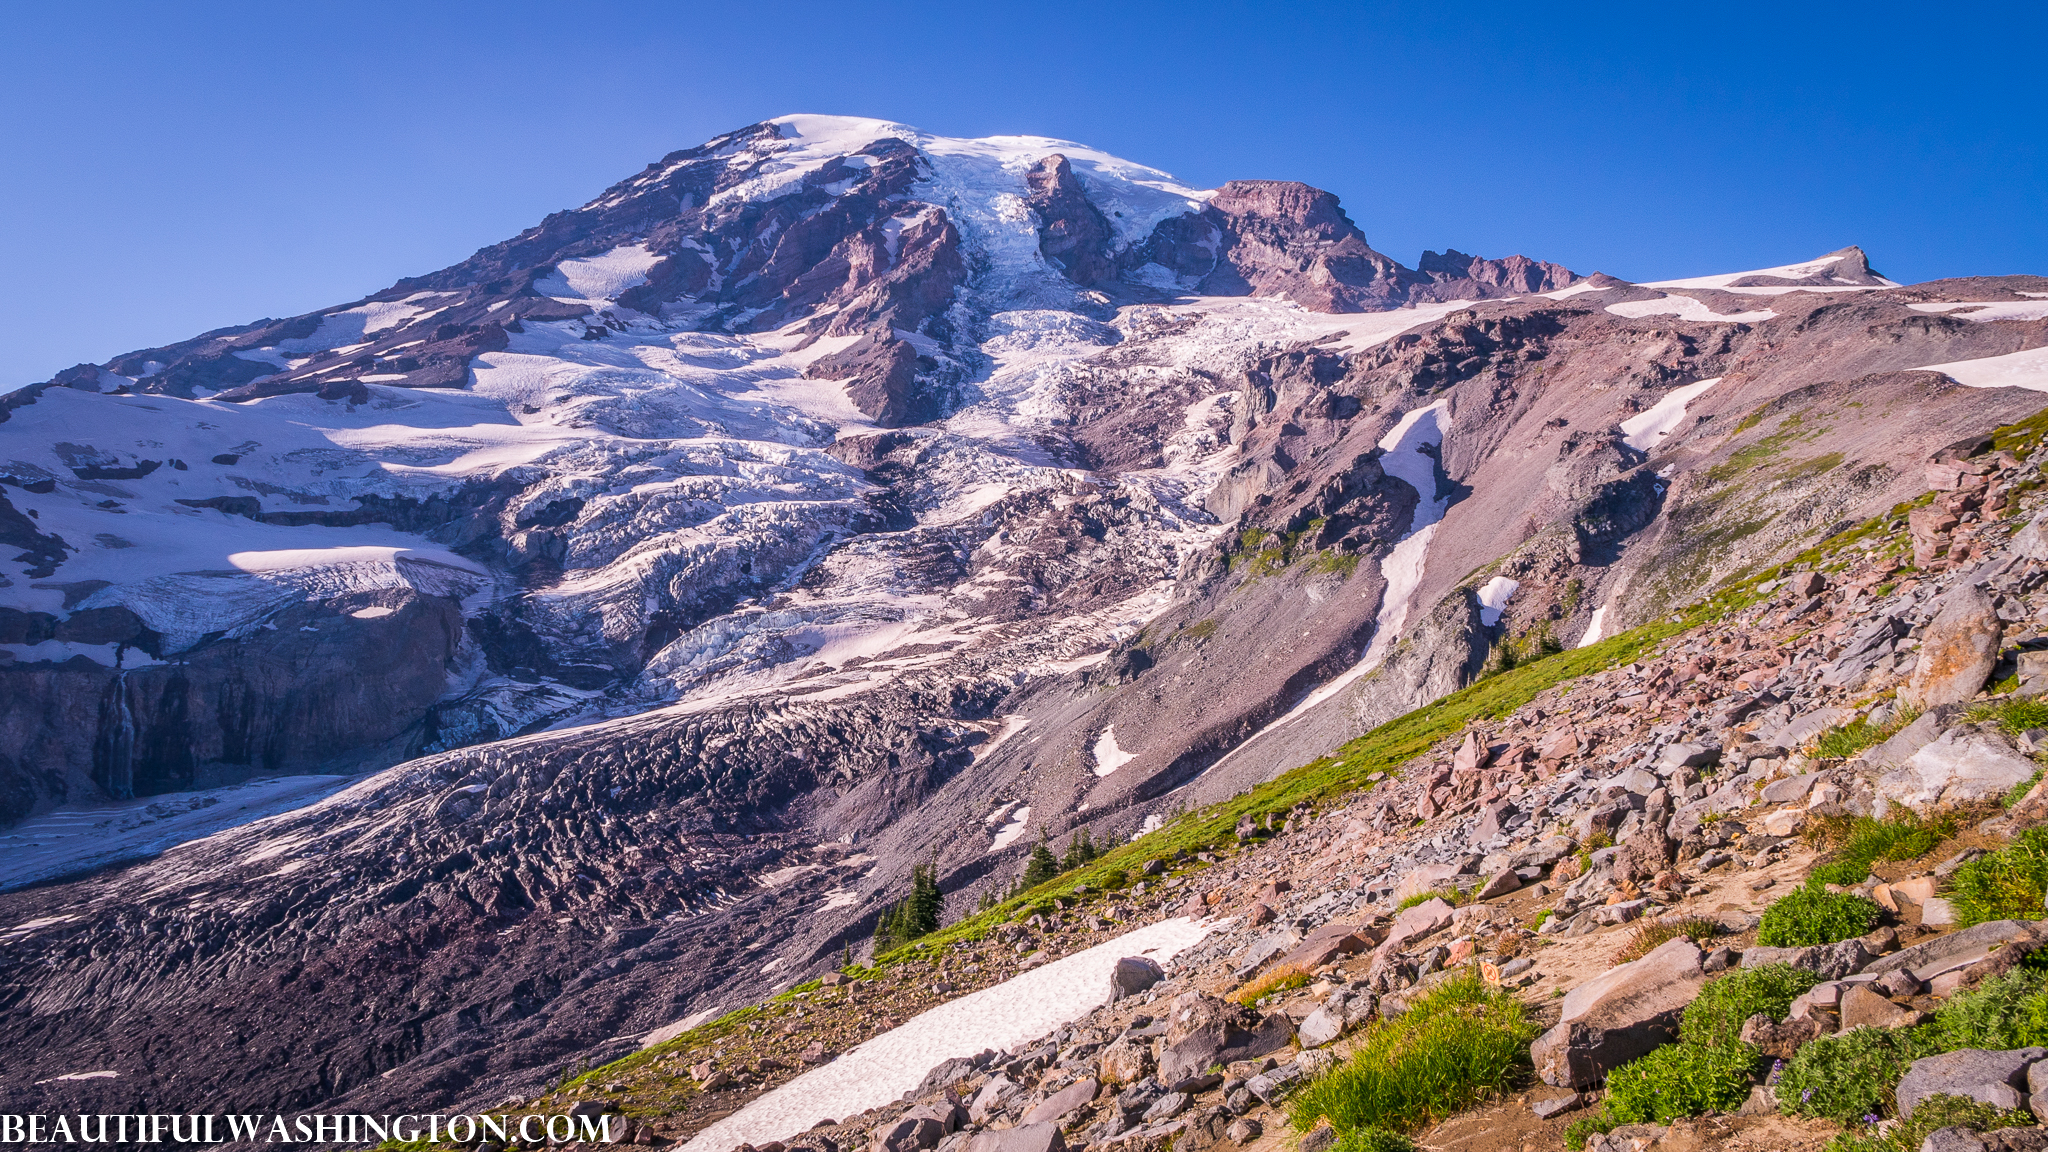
[{"x": 176, "y": 168}]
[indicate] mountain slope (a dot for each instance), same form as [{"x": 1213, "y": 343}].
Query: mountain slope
[{"x": 818, "y": 502}]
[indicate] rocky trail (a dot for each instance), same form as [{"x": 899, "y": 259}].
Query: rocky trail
[{"x": 1601, "y": 850}]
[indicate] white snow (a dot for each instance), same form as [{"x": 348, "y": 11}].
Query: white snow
[
  {"x": 1580, "y": 288},
  {"x": 372, "y": 613},
  {"x": 107, "y": 1074},
  {"x": 1648, "y": 428},
  {"x": 1594, "y": 628},
  {"x": 668, "y": 1032},
  {"x": 882, "y": 1069},
  {"x": 598, "y": 279},
  {"x": 1109, "y": 757},
  {"x": 2027, "y": 369},
  {"x": 1686, "y": 308},
  {"x": 1008, "y": 833},
  {"x": 2036, "y": 295},
  {"x": 1405, "y": 460},
  {"x": 1783, "y": 271},
  {"x": 1983, "y": 311},
  {"x": 1493, "y": 598}
]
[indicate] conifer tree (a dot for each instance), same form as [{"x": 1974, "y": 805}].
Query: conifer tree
[
  {"x": 1041, "y": 867},
  {"x": 1080, "y": 850}
]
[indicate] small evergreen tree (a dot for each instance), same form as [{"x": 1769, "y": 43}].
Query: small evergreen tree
[
  {"x": 1080, "y": 850},
  {"x": 914, "y": 916},
  {"x": 1041, "y": 867}
]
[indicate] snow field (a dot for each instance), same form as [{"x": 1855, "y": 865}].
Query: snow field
[
  {"x": 1493, "y": 599},
  {"x": 1648, "y": 428},
  {"x": 1109, "y": 757},
  {"x": 1686, "y": 308},
  {"x": 1022, "y": 1008},
  {"x": 2028, "y": 369}
]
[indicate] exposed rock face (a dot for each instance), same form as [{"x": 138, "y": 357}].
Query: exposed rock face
[
  {"x": 1619, "y": 1016},
  {"x": 1072, "y": 232}
]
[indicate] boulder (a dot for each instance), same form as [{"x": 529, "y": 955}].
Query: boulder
[
  {"x": 1828, "y": 961},
  {"x": 1327, "y": 943},
  {"x": 1125, "y": 1061},
  {"x": 906, "y": 1134},
  {"x": 1022, "y": 1138},
  {"x": 1167, "y": 1107},
  {"x": 948, "y": 1115},
  {"x": 1331, "y": 1018},
  {"x": 1790, "y": 790},
  {"x": 1964, "y": 765},
  {"x": 1953, "y": 950},
  {"x": 1220, "y": 1042},
  {"x": 1784, "y": 822},
  {"x": 1781, "y": 1041},
  {"x": 1503, "y": 882},
  {"x": 2032, "y": 540},
  {"x": 995, "y": 1097},
  {"x": 1995, "y": 1078},
  {"x": 1132, "y": 975},
  {"x": 1543, "y": 853},
  {"x": 1618, "y": 1016},
  {"x": 1429, "y": 878},
  {"x": 1958, "y": 650},
  {"x": 1055, "y": 1108},
  {"x": 1923, "y": 731},
  {"x": 1676, "y": 756},
  {"x": 1863, "y": 1008},
  {"x": 1413, "y": 924}
]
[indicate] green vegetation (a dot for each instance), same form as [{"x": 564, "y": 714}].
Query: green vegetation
[
  {"x": 2015, "y": 716},
  {"x": 1810, "y": 915},
  {"x": 1710, "y": 1068},
  {"x": 1080, "y": 850},
  {"x": 1901, "y": 835},
  {"x": 1371, "y": 1139},
  {"x": 1847, "y": 1077},
  {"x": 1513, "y": 652},
  {"x": 1802, "y": 469},
  {"x": 916, "y": 914},
  {"x": 1715, "y": 1018},
  {"x": 1198, "y": 631},
  {"x": 1455, "y": 897},
  {"x": 1680, "y": 1080},
  {"x": 2018, "y": 792},
  {"x": 1848, "y": 739},
  {"x": 1930, "y": 1115},
  {"x": 2009, "y": 884},
  {"x": 1456, "y": 1045},
  {"x": 2008, "y": 1011}
]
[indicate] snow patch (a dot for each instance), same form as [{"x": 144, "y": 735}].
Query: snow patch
[
  {"x": 1109, "y": 757},
  {"x": 1595, "y": 628},
  {"x": 598, "y": 279},
  {"x": 2027, "y": 370},
  {"x": 1983, "y": 311},
  {"x": 1008, "y": 833},
  {"x": 884, "y": 1068},
  {"x": 373, "y": 613},
  {"x": 1493, "y": 599},
  {"x": 1648, "y": 428},
  {"x": 1686, "y": 308},
  {"x": 1721, "y": 280},
  {"x": 1578, "y": 289}
]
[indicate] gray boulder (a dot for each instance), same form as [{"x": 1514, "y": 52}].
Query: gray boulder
[
  {"x": 1952, "y": 950},
  {"x": 1618, "y": 1016},
  {"x": 1829, "y": 961},
  {"x": 1132, "y": 975},
  {"x": 907, "y": 1134},
  {"x": 1055, "y": 1108},
  {"x": 1022, "y": 1138},
  {"x": 1958, "y": 650},
  {"x": 1964, "y": 765},
  {"x": 1995, "y": 1078}
]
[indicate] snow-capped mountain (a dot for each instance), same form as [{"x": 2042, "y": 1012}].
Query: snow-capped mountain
[{"x": 819, "y": 499}]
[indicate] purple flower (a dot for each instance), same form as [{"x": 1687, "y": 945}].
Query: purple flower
[{"x": 1806, "y": 1095}]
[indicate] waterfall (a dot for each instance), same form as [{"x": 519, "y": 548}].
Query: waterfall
[{"x": 121, "y": 744}]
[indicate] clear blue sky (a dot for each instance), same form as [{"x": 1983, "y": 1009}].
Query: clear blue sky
[{"x": 173, "y": 168}]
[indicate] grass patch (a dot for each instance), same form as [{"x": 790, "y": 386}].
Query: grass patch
[
  {"x": 1846, "y": 740},
  {"x": 1680, "y": 1080},
  {"x": 1716, "y": 1016},
  {"x": 1278, "y": 980},
  {"x": 1810, "y": 915},
  {"x": 1902, "y": 835},
  {"x": 2015, "y": 716},
  {"x": 2008, "y": 1011},
  {"x": 1374, "y": 1140},
  {"x": 1651, "y": 934},
  {"x": 1454, "y": 896},
  {"x": 1847, "y": 1077},
  {"x": 2018, "y": 792},
  {"x": 1457, "y": 1045},
  {"x": 2009, "y": 884}
]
